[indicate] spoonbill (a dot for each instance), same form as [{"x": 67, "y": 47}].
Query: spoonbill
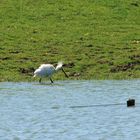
[{"x": 47, "y": 70}]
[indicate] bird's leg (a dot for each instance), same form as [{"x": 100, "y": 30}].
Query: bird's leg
[
  {"x": 51, "y": 80},
  {"x": 40, "y": 80}
]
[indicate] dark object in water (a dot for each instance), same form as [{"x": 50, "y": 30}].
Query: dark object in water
[{"x": 130, "y": 102}]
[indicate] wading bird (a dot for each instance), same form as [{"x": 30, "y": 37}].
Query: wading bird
[{"x": 47, "y": 70}]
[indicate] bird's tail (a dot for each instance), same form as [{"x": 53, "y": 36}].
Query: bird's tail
[{"x": 59, "y": 66}]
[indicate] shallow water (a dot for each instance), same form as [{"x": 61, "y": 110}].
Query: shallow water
[{"x": 69, "y": 110}]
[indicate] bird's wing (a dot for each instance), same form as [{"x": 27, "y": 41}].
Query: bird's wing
[
  {"x": 42, "y": 66},
  {"x": 47, "y": 69}
]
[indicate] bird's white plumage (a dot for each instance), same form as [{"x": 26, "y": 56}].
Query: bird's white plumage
[
  {"x": 59, "y": 66},
  {"x": 44, "y": 70},
  {"x": 47, "y": 70}
]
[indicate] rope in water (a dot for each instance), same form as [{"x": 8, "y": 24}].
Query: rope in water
[
  {"x": 99, "y": 105},
  {"x": 96, "y": 105},
  {"x": 130, "y": 102}
]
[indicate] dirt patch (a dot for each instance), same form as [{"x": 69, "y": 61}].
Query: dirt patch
[
  {"x": 135, "y": 4},
  {"x": 74, "y": 74},
  {"x": 125, "y": 67},
  {"x": 5, "y": 58},
  {"x": 135, "y": 57},
  {"x": 69, "y": 65},
  {"x": 28, "y": 71}
]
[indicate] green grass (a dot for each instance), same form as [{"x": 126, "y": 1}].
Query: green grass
[{"x": 95, "y": 39}]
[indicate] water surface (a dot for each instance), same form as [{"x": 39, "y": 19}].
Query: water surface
[{"x": 69, "y": 110}]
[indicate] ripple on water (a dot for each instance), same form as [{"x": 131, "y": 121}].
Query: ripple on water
[{"x": 69, "y": 110}]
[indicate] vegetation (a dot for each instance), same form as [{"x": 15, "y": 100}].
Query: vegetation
[{"x": 96, "y": 39}]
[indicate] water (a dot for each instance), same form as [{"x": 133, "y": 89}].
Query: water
[{"x": 69, "y": 110}]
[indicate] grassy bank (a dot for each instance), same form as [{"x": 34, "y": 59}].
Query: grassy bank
[{"x": 96, "y": 39}]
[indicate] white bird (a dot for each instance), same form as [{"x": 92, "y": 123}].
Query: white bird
[{"x": 47, "y": 70}]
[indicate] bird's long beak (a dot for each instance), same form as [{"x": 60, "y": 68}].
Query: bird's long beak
[{"x": 65, "y": 73}]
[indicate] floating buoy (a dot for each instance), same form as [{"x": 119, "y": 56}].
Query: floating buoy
[{"x": 130, "y": 102}]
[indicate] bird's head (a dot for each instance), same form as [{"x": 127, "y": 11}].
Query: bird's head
[{"x": 60, "y": 67}]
